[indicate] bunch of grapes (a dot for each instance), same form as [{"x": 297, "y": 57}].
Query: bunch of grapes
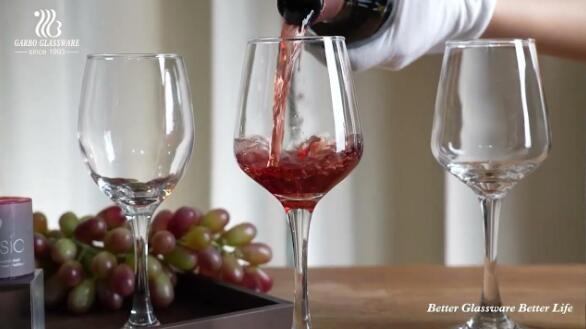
[{"x": 91, "y": 258}]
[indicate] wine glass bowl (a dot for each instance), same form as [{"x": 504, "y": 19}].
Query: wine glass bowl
[
  {"x": 297, "y": 131},
  {"x": 136, "y": 133},
  {"x": 490, "y": 130}
]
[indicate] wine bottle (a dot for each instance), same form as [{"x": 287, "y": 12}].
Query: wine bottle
[{"x": 356, "y": 20}]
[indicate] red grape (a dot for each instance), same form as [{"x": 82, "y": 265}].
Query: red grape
[
  {"x": 184, "y": 218},
  {"x": 239, "y": 235},
  {"x": 231, "y": 270},
  {"x": 63, "y": 250},
  {"x": 70, "y": 273},
  {"x": 82, "y": 297},
  {"x": 122, "y": 280},
  {"x": 216, "y": 220},
  {"x": 108, "y": 299},
  {"x": 119, "y": 240},
  {"x": 67, "y": 223},
  {"x": 103, "y": 263},
  {"x": 163, "y": 242},
  {"x": 55, "y": 291},
  {"x": 209, "y": 260},
  {"x": 40, "y": 223},
  {"x": 90, "y": 230},
  {"x": 256, "y": 279},
  {"x": 181, "y": 258},
  {"x": 256, "y": 253},
  {"x": 161, "y": 221},
  {"x": 161, "y": 289},
  {"x": 41, "y": 244},
  {"x": 197, "y": 238},
  {"x": 113, "y": 216}
]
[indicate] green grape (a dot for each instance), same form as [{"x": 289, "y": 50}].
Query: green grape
[
  {"x": 163, "y": 242},
  {"x": 55, "y": 291},
  {"x": 70, "y": 273},
  {"x": 67, "y": 223},
  {"x": 81, "y": 298},
  {"x": 40, "y": 223},
  {"x": 119, "y": 240},
  {"x": 121, "y": 280},
  {"x": 216, "y": 220},
  {"x": 239, "y": 235},
  {"x": 102, "y": 264},
  {"x": 197, "y": 238},
  {"x": 154, "y": 266},
  {"x": 55, "y": 235},
  {"x": 256, "y": 253},
  {"x": 181, "y": 258},
  {"x": 63, "y": 250},
  {"x": 108, "y": 299},
  {"x": 161, "y": 290},
  {"x": 231, "y": 270},
  {"x": 171, "y": 274}
]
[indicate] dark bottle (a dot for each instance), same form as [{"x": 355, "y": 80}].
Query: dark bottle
[{"x": 356, "y": 20}]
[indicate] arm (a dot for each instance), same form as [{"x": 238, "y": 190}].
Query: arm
[{"x": 558, "y": 26}]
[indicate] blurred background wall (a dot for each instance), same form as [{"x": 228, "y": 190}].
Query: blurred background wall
[{"x": 397, "y": 207}]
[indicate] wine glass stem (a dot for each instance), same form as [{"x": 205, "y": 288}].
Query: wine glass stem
[
  {"x": 299, "y": 222},
  {"x": 142, "y": 313},
  {"x": 490, "y": 290}
]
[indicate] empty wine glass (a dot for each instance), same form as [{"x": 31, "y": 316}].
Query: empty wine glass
[
  {"x": 490, "y": 130},
  {"x": 297, "y": 132},
  {"x": 136, "y": 135}
]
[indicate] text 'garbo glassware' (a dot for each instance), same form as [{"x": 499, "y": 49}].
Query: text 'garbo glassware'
[
  {"x": 490, "y": 130},
  {"x": 136, "y": 135},
  {"x": 297, "y": 132}
]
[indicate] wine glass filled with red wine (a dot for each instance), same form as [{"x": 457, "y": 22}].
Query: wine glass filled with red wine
[
  {"x": 297, "y": 132},
  {"x": 136, "y": 135}
]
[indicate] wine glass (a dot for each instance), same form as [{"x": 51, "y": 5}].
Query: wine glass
[
  {"x": 490, "y": 130},
  {"x": 136, "y": 134},
  {"x": 297, "y": 132}
]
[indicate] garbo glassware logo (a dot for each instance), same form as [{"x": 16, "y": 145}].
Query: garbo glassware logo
[
  {"x": 11, "y": 245},
  {"x": 48, "y": 30},
  {"x": 47, "y": 18}
]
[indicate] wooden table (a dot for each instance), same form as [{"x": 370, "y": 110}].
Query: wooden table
[{"x": 398, "y": 297}]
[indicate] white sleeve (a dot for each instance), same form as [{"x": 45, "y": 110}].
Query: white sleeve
[{"x": 420, "y": 27}]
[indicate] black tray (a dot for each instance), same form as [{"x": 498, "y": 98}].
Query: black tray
[{"x": 200, "y": 303}]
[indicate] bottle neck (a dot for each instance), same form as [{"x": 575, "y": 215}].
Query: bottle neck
[{"x": 356, "y": 20}]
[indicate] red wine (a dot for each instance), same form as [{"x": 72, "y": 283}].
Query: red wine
[
  {"x": 288, "y": 56},
  {"x": 305, "y": 173}
]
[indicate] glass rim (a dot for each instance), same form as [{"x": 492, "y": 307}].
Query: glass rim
[
  {"x": 489, "y": 43},
  {"x": 132, "y": 55},
  {"x": 307, "y": 38}
]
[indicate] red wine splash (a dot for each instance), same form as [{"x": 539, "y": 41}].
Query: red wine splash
[
  {"x": 288, "y": 57},
  {"x": 305, "y": 173}
]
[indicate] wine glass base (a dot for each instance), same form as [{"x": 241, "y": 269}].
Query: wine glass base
[
  {"x": 490, "y": 321},
  {"x": 129, "y": 325}
]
